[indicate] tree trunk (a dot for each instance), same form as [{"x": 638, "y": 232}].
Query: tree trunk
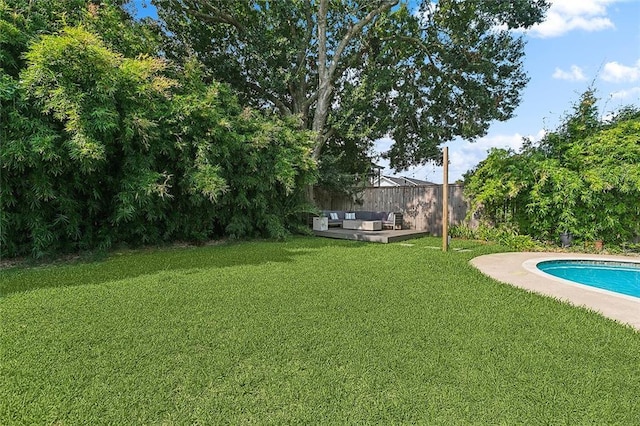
[
  {"x": 324, "y": 81},
  {"x": 327, "y": 70}
]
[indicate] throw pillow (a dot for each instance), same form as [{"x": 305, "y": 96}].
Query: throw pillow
[
  {"x": 391, "y": 217},
  {"x": 350, "y": 216},
  {"x": 333, "y": 216}
]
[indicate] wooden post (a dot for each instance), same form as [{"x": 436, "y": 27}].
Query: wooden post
[{"x": 445, "y": 200}]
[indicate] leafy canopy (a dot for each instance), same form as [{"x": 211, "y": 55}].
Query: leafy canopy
[{"x": 354, "y": 71}]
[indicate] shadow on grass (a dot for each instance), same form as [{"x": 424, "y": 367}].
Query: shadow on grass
[{"x": 135, "y": 263}]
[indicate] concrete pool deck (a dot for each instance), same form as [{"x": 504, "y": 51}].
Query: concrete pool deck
[{"x": 519, "y": 269}]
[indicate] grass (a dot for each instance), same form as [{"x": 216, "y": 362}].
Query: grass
[{"x": 305, "y": 331}]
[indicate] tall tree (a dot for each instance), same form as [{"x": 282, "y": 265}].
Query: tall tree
[{"x": 355, "y": 69}]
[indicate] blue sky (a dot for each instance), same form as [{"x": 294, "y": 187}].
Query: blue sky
[{"x": 581, "y": 43}]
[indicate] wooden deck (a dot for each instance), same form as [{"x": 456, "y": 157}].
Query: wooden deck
[{"x": 384, "y": 236}]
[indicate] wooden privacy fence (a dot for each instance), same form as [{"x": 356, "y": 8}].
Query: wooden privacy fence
[{"x": 421, "y": 205}]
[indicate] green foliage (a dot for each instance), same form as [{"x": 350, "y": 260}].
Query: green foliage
[
  {"x": 462, "y": 231},
  {"x": 583, "y": 178},
  {"x": 100, "y": 147},
  {"x": 343, "y": 168},
  {"x": 504, "y": 235},
  {"x": 507, "y": 237}
]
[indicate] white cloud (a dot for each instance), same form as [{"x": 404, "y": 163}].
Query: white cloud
[
  {"x": 568, "y": 15},
  {"x": 617, "y": 73},
  {"x": 630, "y": 94},
  {"x": 575, "y": 74}
]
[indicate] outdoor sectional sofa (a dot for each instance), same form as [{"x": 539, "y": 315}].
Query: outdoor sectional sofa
[{"x": 391, "y": 220}]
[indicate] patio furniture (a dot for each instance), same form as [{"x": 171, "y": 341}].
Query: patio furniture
[
  {"x": 389, "y": 220},
  {"x": 320, "y": 223},
  {"x": 362, "y": 225},
  {"x": 394, "y": 221}
]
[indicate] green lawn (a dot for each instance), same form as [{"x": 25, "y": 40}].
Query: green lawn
[{"x": 306, "y": 331}]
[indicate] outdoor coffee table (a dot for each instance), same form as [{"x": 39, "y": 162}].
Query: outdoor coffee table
[{"x": 362, "y": 225}]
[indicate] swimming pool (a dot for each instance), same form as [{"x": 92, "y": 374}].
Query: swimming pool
[{"x": 619, "y": 277}]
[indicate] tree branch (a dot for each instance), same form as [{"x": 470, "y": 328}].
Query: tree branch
[
  {"x": 322, "y": 40},
  {"x": 299, "y": 92},
  {"x": 354, "y": 30},
  {"x": 420, "y": 44},
  {"x": 270, "y": 97},
  {"x": 302, "y": 53},
  {"x": 217, "y": 16},
  {"x": 326, "y": 72},
  {"x": 310, "y": 100}
]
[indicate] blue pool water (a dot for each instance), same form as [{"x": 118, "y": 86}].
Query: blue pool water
[{"x": 619, "y": 277}]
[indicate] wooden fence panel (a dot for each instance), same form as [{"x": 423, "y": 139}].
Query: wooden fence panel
[{"x": 420, "y": 205}]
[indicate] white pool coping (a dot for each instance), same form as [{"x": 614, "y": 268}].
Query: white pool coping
[{"x": 519, "y": 269}]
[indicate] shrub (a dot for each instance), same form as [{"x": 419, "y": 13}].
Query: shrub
[
  {"x": 102, "y": 148},
  {"x": 504, "y": 235},
  {"x": 584, "y": 178}
]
